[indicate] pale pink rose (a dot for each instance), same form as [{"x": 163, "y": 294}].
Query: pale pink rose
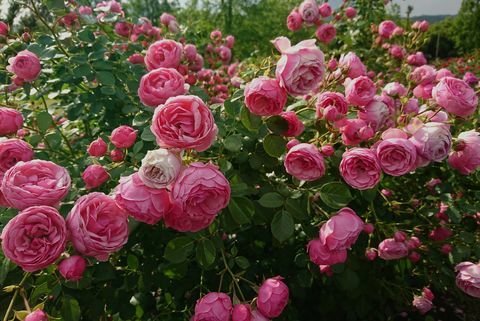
[
  {"x": 3, "y": 29},
  {"x": 325, "y": 10},
  {"x": 163, "y": 53},
  {"x": 225, "y": 54},
  {"x": 265, "y": 97},
  {"x": 350, "y": 12},
  {"x": 423, "y": 91},
  {"x": 85, "y": 10},
  {"x": 397, "y": 156},
  {"x": 160, "y": 168},
  {"x": 94, "y": 176},
  {"x": 354, "y": 66},
  {"x": 376, "y": 114},
  {"x": 305, "y": 162},
  {"x": 309, "y": 11},
  {"x": 301, "y": 67},
  {"x": 123, "y": 28},
  {"x": 272, "y": 297},
  {"x": 97, "y": 148},
  {"x": 386, "y": 28},
  {"x": 326, "y": 33},
  {"x": 468, "y": 278},
  {"x": 160, "y": 84},
  {"x": 241, "y": 312},
  {"x": 398, "y": 31},
  {"x": 214, "y": 306},
  {"x": 360, "y": 91},
  {"x": 456, "y": 96},
  {"x": 25, "y": 65},
  {"x": 466, "y": 156},
  {"x": 470, "y": 78},
  {"x": 229, "y": 41},
  {"x": 72, "y": 268},
  {"x": 433, "y": 141},
  {"x": 200, "y": 192},
  {"x": 166, "y": 18},
  {"x": 257, "y": 316},
  {"x": 173, "y": 26},
  {"x": 411, "y": 107},
  {"x": 13, "y": 151},
  {"x": 97, "y": 226},
  {"x": 320, "y": 254},
  {"x": 355, "y": 131},
  {"x": 395, "y": 89},
  {"x": 36, "y": 182},
  {"x": 295, "y": 125},
  {"x": 11, "y": 121},
  {"x": 331, "y": 106},
  {"x": 360, "y": 168},
  {"x": 417, "y": 59},
  {"x": 34, "y": 238},
  {"x": 444, "y": 72},
  {"x": 341, "y": 231},
  {"x": 397, "y": 51},
  {"x": 389, "y": 249},
  {"x": 294, "y": 20},
  {"x": 144, "y": 203},
  {"x": 37, "y": 315},
  {"x": 184, "y": 122},
  {"x": 123, "y": 137},
  {"x": 422, "y": 304},
  {"x": 190, "y": 52},
  {"x": 423, "y": 75}
]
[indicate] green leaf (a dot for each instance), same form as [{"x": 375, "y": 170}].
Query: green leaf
[
  {"x": 197, "y": 91},
  {"x": 132, "y": 261},
  {"x": 335, "y": 194},
  {"x": 4, "y": 269},
  {"x": 86, "y": 35},
  {"x": 274, "y": 145},
  {"x": 147, "y": 135},
  {"x": 297, "y": 207},
  {"x": 178, "y": 249},
  {"x": 233, "y": 143},
  {"x": 70, "y": 310},
  {"x": 206, "y": 253},
  {"x": 242, "y": 209},
  {"x": 271, "y": 200},
  {"x": 242, "y": 262},
  {"x": 277, "y": 124},
  {"x": 232, "y": 108},
  {"x": 82, "y": 71},
  {"x": 105, "y": 78},
  {"x": 250, "y": 121},
  {"x": 54, "y": 140},
  {"x": 282, "y": 226},
  {"x": 44, "y": 121}
]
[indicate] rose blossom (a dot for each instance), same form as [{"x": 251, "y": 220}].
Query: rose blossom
[
  {"x": 241, "y": 312},
  {"x": 117, "y": 155},
  {"x": 456, "y": 96},
  {"x": 257, "y": 316},
  {"x": 397, "y": 156},
  {"x": 385, "y": 28},
  {"x": 389, "y": 249},
  {"x": 301, "y": 67},
  {"x": 294, "y": 20},
  {"x": 422, "y": 304},
  {"x": 354, "y": 66},
  {"x": 72, "y": 268},
  {"x": 85, "y": 10},
  {"x": 184, "y": 122},
  {"x": 331, "y": 106},
  {"x": 11, "y": 121},
  {"x": 97, "y": 226},
  {"x": 200, "y": 192},
  {"x": 37, "y": 315},
  {"x": 97, "y": 148},
  {"x": 350, "y": 12},
  {"x": 295, "y": 125},
  {"x": 34, "y": 238},
  {"x": 144, "y": 203},
  {"x": 160, "y": 84},
  {"x": 272, "y": 297},
  {"x": 470, "y": 78},
  {"x": 360, "y": 91},
  {"x": 94, "y": 176},
  {"x": 320, "y": 254},
  {"x": 190, "y": 52},
  {"x": 442, "y": 73},
  {"x": 355, "y": 131},
  {"x": 3, "y": 29},
  {"x": 341, "y": 231},
  {"x": 229, "y": 41},
  {"x": 36, "y": 182},
  {"x": 468, "y": 278},
  {"x": 397, "y": 51},
  {"x": 25, "y": 65},
  {"x": 305, "y": 162},
  {"x": 214, "y": 306},
  {"x": 466, "y": 156},
  {"x": 326, "y": 33},
  {"x": 166, "y": 18},
  {"x": 137, "y": 59},
  {"x": 433, "y": 141},
  {"x": 123, "y": 28},
  {"x": 423, "y": 91},
  {"x": 123, "y": 137},
  {"x": 423, "y": 75},
  {"x": 360, "y": 168},
  {"x": 265, "y": 97},
  {"x": 375, "y": 114},
  {"x": 160, "y": 168},
  {"x": 395, "y": 89},
  {"x": 411, "y": 107},
  {"x": 163, "y": 53},
  {"x": 13, "y": 151},
  {"x": 309, "y": 11},
  {"x": 417, "y": 59},
  {"x": 325, "y": 10}
]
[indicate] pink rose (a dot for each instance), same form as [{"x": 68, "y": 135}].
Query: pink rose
[
  {"x": 360, "y": 168},
  {"x": 470, "y": 78},
  {"x": 331, "y": 106},
  {"x": 163, "y": 53},
  {"x": 325, "y": 10},
  {"x": 10, "y": 121},
  {"x": 423, "y": 75},
  {"x": 3, "y": 29},
  {"x": 341, "y": 231},
  {"x": 301, "y": 67},
  {"x": 137, "y": 59},
  {"x": 166, "y": 18},
  {"x": 376, "y": 114},
  {"x": 190, "y": 52},
  {"x": 97, "y": 148},
  {"x": 350, "y": 12},
  {"x": 305, "y": 162},
  {"x": 354, "y": 66},
  {"x": 72, "y": 268},
  {"x": 160, "y": 168},
  {"x": 355, "y": 131},
  {"x": 444, "y": 72},
  {"x": 184, "y": 122},
  {"x": 13, "y": 151},
  {"x": 423, "y": 26},
  {"x": 272, "y": 297},
  {"x": 117, "y": 155},
  {"x": 433, "y": 141},
  {"x": 225, "y": 54},
  {"x": 123, "y": 28},
  {"x": 197, "y": 64},
  {"x": 85, "y": 10},
  {"x": 97, "y": 226},
  {"x": 216, "y": 35},
  {"x": 411, "y": 107},
  {"x": 241, "y": 312},
  {"x": 144, "y": 203},
  {"x": 25, "y": 65},
  {"x": 395, "y": 89},
  {"x": 398, "y": 31},
  {"x": 123, "y": 137},
  {"x": 440, "y": 234},
  {"x": 309, "y": 11},
  {"x": 360, "y": 91},
  {"x": 214, "y": 306},
  {"x": 37, "y": 315},
  {"x": 468, "y": 278},
  {"x": 385, "y": 28},
  {"x": 417, "y": 59},
  {"x": 159, "y": 85},
  {"x": 456, "y": 96},
  {"x": 422, "y": 304},
  {"x": 265, "y": 97},
  {"x": 200, "y": 192},
  {"x": 295, "y": 125},
  {"x": 397, "y": 156},
  {"x": 423, "y": 91},
  {"x": 294, "y": 20},
  {"x": 36, "y": 182},
  {"x": 94, "y": 176},
  {"x": 320, "y": 254},
  {"x": 229, "y": 41},
  {"x": 466, "y": 156},
  {"x": 34, "y": 238},
  {"x": 397, "y": 51},
  {"x": 326, "y": 32},
  {"x": 389, "y": 249},
  {"x": 257, "y": 316}
]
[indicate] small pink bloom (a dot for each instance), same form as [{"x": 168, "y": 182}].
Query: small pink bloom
[
  {"x": 241, "y": 312},
  {"x": 326, "y": 33},
  {"x": 305, "y": 162},
  {"x": 341, "y": 231},
  {"x": 163, "y": 53},
  {"x": 97, "y": 148},
  {"x": 295, "y": 125},
  {"x": 309, "y": 11},
  {"x": 123, "y": 137},
  {"x": 468, "y": 278},
  {"x": 94, "y": 176},
  {"x": 272, "y": 297},
  {"x": 389, "y": 249},
  {"x": 331, "y": 101},
  {"x": 13, "y": 151},
  {"x": 354, "y": 66},
  {"x": 371, "y": 254},
  {"x": 360, "y": 168},
  {"x": 294, "y": 20},
  {"x": 386, "y": 28},
  {"x": 25, "y": 65},
  {"x": 214, "y": 306},
  {"x": 350, "y": 12},
  {"x": 397, "y": 156},
  {"x": 160, "y": 84},
  {"x": 72, "y": 268},
  {"x": 117, "y": 155},
  {"x": 320, "y": 254},
  {"x": 265, "y": 97},
  {"x": 467, "y": 158},
  {"x": 325, "y": 10},
  {"x": 456, "y": 96},
  {"x": 360, "y": 91},
  {"x": 11, "y": 121},
  {"x": 37, "y": 315}
]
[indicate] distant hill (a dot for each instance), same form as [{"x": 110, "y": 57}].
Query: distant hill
[{"x": 431, "y": 19}]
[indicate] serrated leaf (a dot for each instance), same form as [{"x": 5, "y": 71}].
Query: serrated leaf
[{"x": 44, "y": 121}]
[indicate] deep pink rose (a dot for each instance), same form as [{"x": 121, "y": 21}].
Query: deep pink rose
[
  {"x": 397, "y": 156},
  {"x": 354, "y": 66},
  {"x": 137, "y": 59},
  {"x": 225, "y": 54},
  {"x": 360, "y": 168},
  {"x": 190, "y": 52},
  {"x": 423, "y": 75},
  {"x": 294, "y": 20},
  {"x": 123, "y": 28},
  {"x": 360, "y": 91},
  {"x": 117, "y": 155},
  {"x": 325, "y": 10},
  {"x": 216, "y": 35},
  {"x": 326, "y": 33},
  {"x": 94, "y": 176},
  {"x": 468, "y": 278},
  {"x": 184, "y": 122},
  {"x": 85, "y": 10},
  {"x": 470, "y": 78},
  {"x": 257, "y": 316},
  {"x": 200, "y": 192},
  {"x": 440, "y": 234},
  {"x": 423, "y": 26},
  {"x": 144, "y": 203},
  {"x": 272, "y": 297},
  {"x": 97, "y": 226},
  {"x": 97, "y": 148},
  {"x": 456, "y": 96},
  {"x": 389, "y": 249},
  {"x": 301, "y": 67},
  {"x": 13, "y": 151},
  {"x": 397, "y": 51},
  {"x": 34, "y": 238},
  {"x": 159, "y": 85},
  {"x": 241, "y": 312},
  {"x": 229, "y": 41},
  {"x": 466, "y": 156},
  {"x": 309, "y": 11},
  {"x": 10, "y": 121},
  {"x": 265, "y": 97},
  {"x": 341, "y": 231},
  {"x": 37, "y": 315},
  {"x": 385, "y": 28},
  {"x": 355, "y": 131},
  {"x": 331, "y": 106},
  {"x": 214, "y": 306},
  {"x": 295, "y": 125},
  {"x": 433, "y": 141},
  {"x": 163, "y": 53},
  {"x": 25, "y": 65},
  {"x": 320, "y": 254},
  {"x": 376, "y": 114},
  {"x": 123, "y": 137},
  {"x": 72, "y": 268},
  {"x": 417, "y": 59},
  {"x": 36, "y": 182},
  {"x": 305, "y": 162},
  {"x": 3, "y": 29},
  {"x": 350, "y": 12}
]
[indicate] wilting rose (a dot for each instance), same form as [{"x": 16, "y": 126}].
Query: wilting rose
[
  {"x": 468, "y": 278},
  {"x": 13, "y": 151},
  {"x": 360, "y": 168},
  {"x": 354, "y": 66},
  {"x": 34, "y": 238},
  {"x": 214, "y": 306},
  {"x": 360, "y": 91},
  {"x": 265, "y": 97},
  {"x": 163, "y": 53},
  {"x": 94, "y": 176},
  {"x": 11, "y": 121},
  {"x": 305, "y": 162},
  {"x": 295, "y": 125},
  {"x": 160, "y": 168},
  {"x": 433, "y": 141},
  {"x": 320, "y": 254},
  {"x": 272, "y": 297},
  {"x": 331, "y": 106},
  {"x": 389, "y": 249},
  {"x": 466, "y": 156},
  {"x": 456, "y": 96},
  {"x": 72, "y": 268},
  {"x": 397, "y": 156},
  {"x": 25, "y": 65},
  {"x": 123, "y": 137},
  {"x": 341, "y": 231},
  {"x": 160, "y": 84}
]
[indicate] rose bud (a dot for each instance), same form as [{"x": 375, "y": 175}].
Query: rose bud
[
  {"x": 94, "y": 176},
  {"x": 123, "y": 137},
  {"x": 97, "y": 148},
  {"x": 37, "y": 315},
  {"x": 72, "y": 268},
  {"x": 272, "y": 297},
  {"x": 117, "y": 155},
  {"x": 241, "y": 312}
]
